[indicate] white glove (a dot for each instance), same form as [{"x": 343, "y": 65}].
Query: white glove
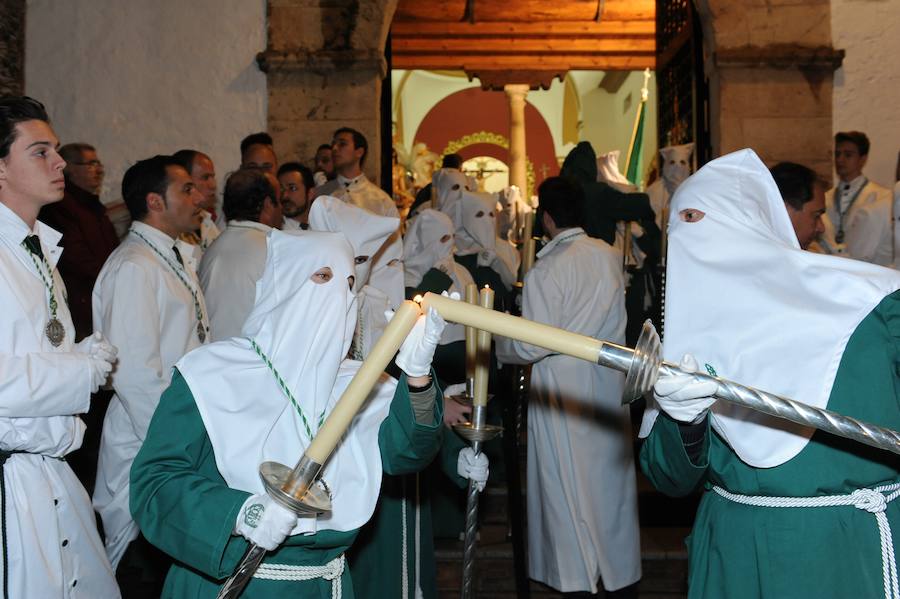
[
  {"x": 319, "y": 178},
  {"x": 96, "y": 346},
  {"x": 473, "y": 467},
  {"x": 457, "y": 389},
  {"x": 101, "y": 355},
  {"x": 681, "y": 397},
  {"x": 264, "y": 522},
  {"x": 414, "y": 357}
]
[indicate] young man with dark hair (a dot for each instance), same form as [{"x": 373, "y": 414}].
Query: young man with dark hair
[
  {"x": 297, "y": 184},
  {"x": 148, "y": 300},
  {"x": 348, "y": 150},
  {"x": 49, "y": 543},
  {"x": 575, "y": 416},
  {"x": 203, "y": 173},
  {"x": 803, "y": 193},
  {"x": 234, "y": 263},
  {"x": 258, "y": 152},
  {"x": 859, "y": 213}
]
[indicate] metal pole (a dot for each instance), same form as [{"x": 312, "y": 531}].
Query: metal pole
[{"x": 471, "y": 532}]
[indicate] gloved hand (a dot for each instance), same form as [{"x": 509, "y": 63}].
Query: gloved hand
[
  {"x": 473, "y": 467},
  {"x": 264, "y": 522},
  {"x": 101, "y": 355},
  {"x": 682, "y": 398},
  {"x": 96, "y": 346},
  {"x": 320, "y": 178},
  {"x": 414, "y": 357}
]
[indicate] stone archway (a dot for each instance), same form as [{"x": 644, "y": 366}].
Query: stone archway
[{"x": 770, "y": 69}]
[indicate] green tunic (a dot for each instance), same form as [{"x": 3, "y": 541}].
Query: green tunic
[
  {"x": 185, "y": 508},
  {"x": 738, "y": 551},
  {"x": 377, "y": 556}
]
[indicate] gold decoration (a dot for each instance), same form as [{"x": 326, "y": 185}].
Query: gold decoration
[{"x": 489, "y": 137}]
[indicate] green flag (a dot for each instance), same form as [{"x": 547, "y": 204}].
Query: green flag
[{"x": 634, "y": 166}]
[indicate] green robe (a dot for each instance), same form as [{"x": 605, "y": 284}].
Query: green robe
[
  {"x": 377, "y": 556},
  {"x": 744, "y": 552},
  {"x": 183, "y": 505}
]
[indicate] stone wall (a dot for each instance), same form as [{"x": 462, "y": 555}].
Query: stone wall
[
  {"x": 12, "y": 46},
  {"x": 325, "y": 65},
  {"x": 866, "y": 85},
  {"x": 142, "y": 78},
  {"x": 771, "y": 65}
]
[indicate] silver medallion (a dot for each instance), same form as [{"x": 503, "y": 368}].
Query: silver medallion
[
  {"x": 55, "y": 331},
  {"x": 201, "y": 332}
]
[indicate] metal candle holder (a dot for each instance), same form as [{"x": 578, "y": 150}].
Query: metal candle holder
[{"x": 292, "y": 489}]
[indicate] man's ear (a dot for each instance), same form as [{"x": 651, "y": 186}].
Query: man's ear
[
  {"x": 547, "y": 221},
  {"x": 155, "y": 203}
]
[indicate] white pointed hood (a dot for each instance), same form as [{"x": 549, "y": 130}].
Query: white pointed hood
[
  {"x": 608, "y": 171},
  {"x": 304, "y": 328},
  {"x": 366, "y": 231},
  {"x": 675, "y": 165},
  {"x": 423, "y": 249},
  {"x": 448, "y": 184},
  {"x": 748, "y": 303}
]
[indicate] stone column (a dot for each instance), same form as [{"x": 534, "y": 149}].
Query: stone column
[
  {"x": 12, "y": 46},
  {"x": 325, "y": 65},
  {"x": 516, "y": 93}
]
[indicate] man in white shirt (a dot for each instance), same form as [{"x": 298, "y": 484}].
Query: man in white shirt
[
  {"x": 203, "y": 174},
  {"x": 348, "y": 150},
  {"x": 235, "y": 262},
  {"x": 296, "y": 183},
  {"x": 582, "y": 498},
  {"x": 859, "y": 213},
  {"x": 48, "y": 543},
  {"x": 148, "y": 300}
]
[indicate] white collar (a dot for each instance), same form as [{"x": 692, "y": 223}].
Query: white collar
[
  {"x": 563, "y": 236},
  {"x": 16, "y": 230},
  {"x": 153, "y": 234},
  {"x": 852, "y": 186},
  {"x": 248, "y": 224},
  {"x": 357, "y": 180}
]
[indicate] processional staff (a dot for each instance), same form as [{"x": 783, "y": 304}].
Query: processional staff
[{"x": 643, "y": 365}]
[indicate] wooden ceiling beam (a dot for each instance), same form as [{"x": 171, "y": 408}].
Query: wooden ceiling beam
[
  {"x": 401, "y": 29},
  {"x": 470, "y": 64}
]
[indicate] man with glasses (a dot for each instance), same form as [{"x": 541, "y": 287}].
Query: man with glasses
[{"x": 88, "y": 234}]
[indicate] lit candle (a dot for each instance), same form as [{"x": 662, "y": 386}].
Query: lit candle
[
  {"x": 472, "y": 298},
  {"x": 514, "y": 327},
  {"x": 362, "y": 383},
  {"x": 483, "y": 355}
]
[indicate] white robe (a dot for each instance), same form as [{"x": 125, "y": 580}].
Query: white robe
[
  {"x": 229, "y": 272},
  {"x": 868, "y": 226},
  {"x": 51, "y": 542},
  {"x": 582, "y": 499},
  {"x": 146, "y": 311}
]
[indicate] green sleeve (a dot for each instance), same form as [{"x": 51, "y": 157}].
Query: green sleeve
[
  {"x": 178, "y": 498},
  {"x": 666, "y": 463},
  {"x": 434, "y": 281},
  {"x": 405, "y": 445}
]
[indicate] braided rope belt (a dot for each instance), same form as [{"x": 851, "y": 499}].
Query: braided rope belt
[
  {"x": 331, "y": 571},
  {"x": 873, "y": 501}
]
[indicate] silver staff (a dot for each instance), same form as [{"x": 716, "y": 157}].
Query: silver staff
[{"x": 643, "y": 365}]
